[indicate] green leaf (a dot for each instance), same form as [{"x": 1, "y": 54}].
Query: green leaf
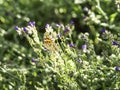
[{"x": 112, "y": 17}]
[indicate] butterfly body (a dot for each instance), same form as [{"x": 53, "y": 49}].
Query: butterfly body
[{"x": 49, "y": 42}]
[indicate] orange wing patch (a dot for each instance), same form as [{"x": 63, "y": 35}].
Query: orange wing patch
[{"x": 47, "y": 41}]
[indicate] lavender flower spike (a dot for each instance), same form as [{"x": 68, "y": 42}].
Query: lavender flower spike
[
  {"x": 25, "y": 29},
  {"x": 31, "y": 23},
  {"x": 103, "y": 30},
  {"x": 67, "y": 29},
  {"x": 47, "y": 26},
  {"x": 71, "y": 45},
  {"x": 33, "y": 60},
  {"x": 114, "y": 43},
  {"x": 84, "y": 48},
  {"x": 16, "y": 27},
  {"x": 117, "y": 68},
  {"x": 72, "y": 22}
]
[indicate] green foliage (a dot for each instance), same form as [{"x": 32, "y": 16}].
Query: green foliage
[{"x": 84, "y": 55}]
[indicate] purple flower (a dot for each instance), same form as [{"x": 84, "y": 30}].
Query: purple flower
[
  {"x": 114, "y": 43},
  {"x": 59, "y": 35},
  {"x": 31, "y": 23},
  {"x": 67, "y": 29},
  {"x": 84, "y": 47},
  {"x": 103, "y": 30},
  {"x": 16, "y": 27},
  {"x": 33, "y": 60},
  {"x": 117, "y": 68},
  {"x": 85, "y": 9},
  {"x": 25, "y": 29},
  {"x": 79, "y": 60},
  {"x": 72, "y": 22},
  {"x": 47, "y": 26},
  {"x": 71, "y": 45},
  {"x": 58, "y": 25}
]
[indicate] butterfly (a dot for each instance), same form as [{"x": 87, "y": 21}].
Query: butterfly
[{"x": 49, "y": 42}]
